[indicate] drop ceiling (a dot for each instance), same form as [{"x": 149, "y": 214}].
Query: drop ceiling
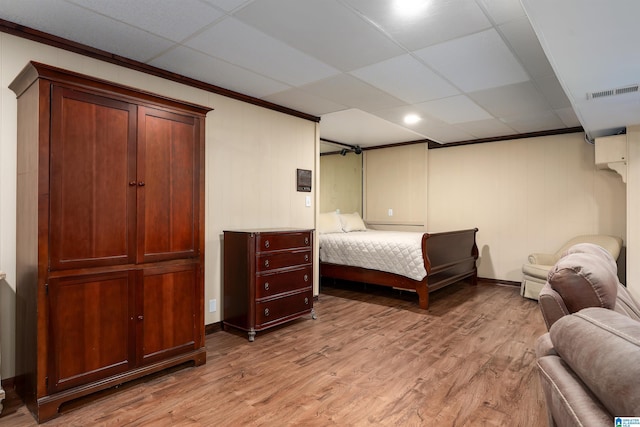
[{"x": 470, "y": 69}]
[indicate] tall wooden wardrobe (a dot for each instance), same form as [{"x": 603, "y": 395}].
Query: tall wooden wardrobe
[{"x": 110, "y": 235}]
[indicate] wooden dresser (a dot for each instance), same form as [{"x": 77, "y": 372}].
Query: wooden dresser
[
  {"x": 268, "y": 278},
  {"x": 110, "y": 235}
]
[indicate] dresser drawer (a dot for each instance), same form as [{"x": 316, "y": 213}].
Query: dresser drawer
[
  {"x": 276, "y": 242},
  {"x": 290, "y": 306},
  {"x": 271, "y": 261},
  {"x": 270, "y": 284}
]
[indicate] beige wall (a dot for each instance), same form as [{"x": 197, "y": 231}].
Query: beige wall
[
  {"x": 396, "y": 178},
  {"x": 341, "y": 183},
  {"x": 251, "y": 159},
  {"x": 633, "y": 210},
  {"x": 524, "y": 195}
]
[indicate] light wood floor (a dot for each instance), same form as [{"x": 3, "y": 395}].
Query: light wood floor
[{"x": 371, "y": 358}]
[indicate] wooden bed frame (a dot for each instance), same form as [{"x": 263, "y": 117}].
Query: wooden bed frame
[{"x": 448, "y": 258}]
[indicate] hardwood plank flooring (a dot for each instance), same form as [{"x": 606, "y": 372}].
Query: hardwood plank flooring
[{"x": 371, "y": 358}]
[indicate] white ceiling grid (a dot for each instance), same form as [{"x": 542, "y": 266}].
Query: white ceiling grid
[{"x": 470, "y": 68}]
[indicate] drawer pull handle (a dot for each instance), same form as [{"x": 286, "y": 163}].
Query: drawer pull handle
[
  {"x": 266, "y": 244},
  {"x": 266, "y": 312},
  {"x": 266, "y": 286},
  {"x": 306, "y": 277},
  {"x": 306, "y": 257},
  {"x": 266, "y": 263},
  {"x": 306, "y": 240},
  {"x": 306, "y": 301}
]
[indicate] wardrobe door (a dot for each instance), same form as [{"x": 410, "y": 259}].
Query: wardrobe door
[
  {"x": 91, "y": 328},
  {"x": 170, "y": 309},
  {"x": 168, "y": 192},
  {"x": 93, "y": 180}
]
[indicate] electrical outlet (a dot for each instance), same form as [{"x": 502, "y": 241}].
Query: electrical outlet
[
  {"x": 390, "y": 212},
  {"x": 213, "y": 306}
]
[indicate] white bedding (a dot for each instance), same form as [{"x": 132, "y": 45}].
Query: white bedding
[{"x": 397, "y": 252}]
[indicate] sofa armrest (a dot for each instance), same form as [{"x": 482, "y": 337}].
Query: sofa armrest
[
  {"x": 603, "y": 348},
  {"x": 569, "y": 401},
  {"x": 552, "y": 305},
  {"x": 542, "y": 259},
  {"x": 544, "y": 346}
]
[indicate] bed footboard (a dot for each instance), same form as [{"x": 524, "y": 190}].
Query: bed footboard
[{"x": 448, "y": 258}]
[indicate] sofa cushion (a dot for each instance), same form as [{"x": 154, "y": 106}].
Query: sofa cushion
[
  {"x": 626, "y": 304},
  {"x": 590, "y": 248},
  {"x": 603, "y": 348},
  {"x": 583, "y": 280}
]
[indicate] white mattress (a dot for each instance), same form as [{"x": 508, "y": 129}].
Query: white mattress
[{"x": 397, "y": 252}]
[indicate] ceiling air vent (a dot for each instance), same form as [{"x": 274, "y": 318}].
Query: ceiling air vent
[{"x": 612, "y": 92}]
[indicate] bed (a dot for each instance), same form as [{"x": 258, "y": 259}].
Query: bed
[{"x": 421, "y": 262}]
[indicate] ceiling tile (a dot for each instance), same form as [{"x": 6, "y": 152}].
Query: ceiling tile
[
  {"x": 174, "y": 20},
  {"x": 485, "y": 53},
  {"x": 446, "y": 134},
  {"x": 502, "y": 11},
  {"x": 186, "y": 61},
  {"x": 305, "y": 102},
  {"x": 61, "y": 19},
  {"x": 397, "y": 114},
  {"x": 522, "y": 39},
  {"x": 511, "y": 100},
  {"x": 239, "y": 44},
  {"x": 348, "y": 90},
  {"x": 406, "y": 78},
  {"x": 456, "y": 109},
  {"x": 324, "y": 29},
  {"x": 228, "y": 5},
  {"x": 551, "y": 88},
  {"x": 437, "y": 22},
  {"x": 371, "y": 130},
  {"x": 486, "y": 128},
  {"x": 568, "y": 116},
  {"x": 535, "y": 122}
]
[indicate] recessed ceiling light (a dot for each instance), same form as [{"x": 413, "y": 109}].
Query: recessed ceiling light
[
  {"x": 410, "y": 7},
  {"x": 411, "y": 119}
]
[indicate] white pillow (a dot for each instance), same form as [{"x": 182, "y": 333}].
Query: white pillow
[
  {"x": 352, "y": 222},
  {"x": 329, "y": 223}
]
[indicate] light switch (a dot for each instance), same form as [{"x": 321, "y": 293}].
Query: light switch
[
  {"x": 307, "y": 201},
  {"x": 390, "y": 212}
]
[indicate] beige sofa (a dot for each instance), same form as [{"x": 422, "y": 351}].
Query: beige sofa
[
  {"x": 535, "y": 271},
  {"x": 589, "y": 360}
]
